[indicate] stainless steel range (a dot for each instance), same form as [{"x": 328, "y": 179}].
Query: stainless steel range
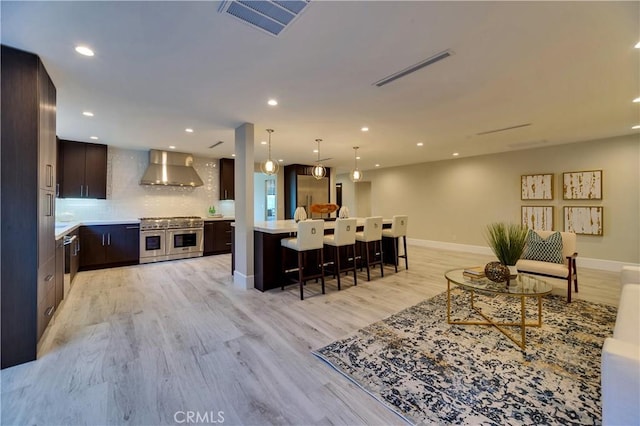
[{"x": 168, "y": 238}]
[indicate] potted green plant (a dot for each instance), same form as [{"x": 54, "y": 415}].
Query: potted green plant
[{"x": 507, "y": 241}]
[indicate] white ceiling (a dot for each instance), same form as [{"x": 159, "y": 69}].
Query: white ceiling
[{"x": 568, "y": 68}]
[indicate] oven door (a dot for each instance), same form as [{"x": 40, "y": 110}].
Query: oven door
[
  {"x": 152, "y": 244},
  {"x": 184, "y": 241}
]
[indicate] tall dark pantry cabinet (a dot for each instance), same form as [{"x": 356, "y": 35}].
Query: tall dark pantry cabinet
[{"x": 28, "y": 166}]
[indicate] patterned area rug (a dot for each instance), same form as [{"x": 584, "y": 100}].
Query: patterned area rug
[{"x": 431, "y": 372}]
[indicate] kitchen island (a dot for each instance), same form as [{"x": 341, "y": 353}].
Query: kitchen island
[{"x": 267, "y": 261}]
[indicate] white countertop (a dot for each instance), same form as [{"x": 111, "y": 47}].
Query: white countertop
[
  {"x": 288, "y": 226},
  {"x": 209, "y": 218}
]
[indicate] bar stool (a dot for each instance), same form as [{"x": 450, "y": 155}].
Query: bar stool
[
  {"x": 309, "y": 239},
  {"x": 372, "y": 233},
  {"x": 344, "y": 236},
  {"x": 398, "y": 229}
]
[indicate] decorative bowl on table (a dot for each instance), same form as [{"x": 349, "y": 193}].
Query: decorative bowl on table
[{"x": 497, "y": 272}]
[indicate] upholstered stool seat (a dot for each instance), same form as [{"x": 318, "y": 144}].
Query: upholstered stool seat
[
  {"x": 344, "y": 236},
  {"x": 371, "y": 239},
  {"x": 398, "y": 229},
  {"x": 309, "y": 239}
]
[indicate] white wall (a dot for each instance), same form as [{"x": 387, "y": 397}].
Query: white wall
[
  {"x": 453, "y": 200},
  {"x": 127, "y": 199}
]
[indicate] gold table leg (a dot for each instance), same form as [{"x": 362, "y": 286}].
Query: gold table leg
[{"x": 499, "y": 325}]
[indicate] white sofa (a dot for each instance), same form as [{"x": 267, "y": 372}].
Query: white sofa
[{"x": 621, "y": 357}]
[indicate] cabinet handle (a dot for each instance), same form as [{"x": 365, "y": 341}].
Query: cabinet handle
[
  {"x": 48, "y": 278},
  {"x": 86, "y": 191},
  {"x": 102, "y": 239},
  {"x": 225, "y": 194},
  {"x": 81, "y": 190},
  {"x": 77, "y": 245},
  {"x": 49, "y": 175},
  {"x": 49, "y": 311},
  {"x": 57, "y": 190},
  {"x": 49, "y": 205},
  {"x": 133, "y": 227},
  {"x": 227, "y": 244},
  {"x": 109, "y": 239}
]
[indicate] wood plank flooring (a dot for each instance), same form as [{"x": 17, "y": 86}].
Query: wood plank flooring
[{"x": 135, "y": 345}]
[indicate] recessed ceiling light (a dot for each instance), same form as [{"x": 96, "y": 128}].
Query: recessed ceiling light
[
  {"x": 455, "y": 154},
  {"x": 95, "y": 138},
  {"x": 172, "y": 147},
  {"x": 90, "y": 114},
  {"x": 188, "y": 130},
  {"x": 358, "y": 157},
  {"x": 636, "y": 100},
  {"x": 377, "y": 165},
  {"x": 84, "y": 50},
  {"x": 420, "y": 144},
  {"x": 263, "y": 142},
  {"x": 315, "y": 151},
  {"x": 233, "y": 155},
  {"x": 636, "y": 127},
  {"x": 272, "y": 102},
  {"x": 281, "y": 160},
  {"x": 637, "y": 46},
  {"x": 365, "y": 129}
]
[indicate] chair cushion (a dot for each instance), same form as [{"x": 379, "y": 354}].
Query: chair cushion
[
  {"x": 544, "y": 250},
  {"x": 291, "y": 243},
  {"x": 559, "y": 270}
]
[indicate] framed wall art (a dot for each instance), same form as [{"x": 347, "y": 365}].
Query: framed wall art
[
  {"x": 583, "y": 220},
  {"x": 536, "y": 187},
  {"x": 538, "y": 218},
  {"x": 582, "y": 185}
]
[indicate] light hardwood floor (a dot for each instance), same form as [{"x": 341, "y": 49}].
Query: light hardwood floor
[{"x": 136, "y": 345}]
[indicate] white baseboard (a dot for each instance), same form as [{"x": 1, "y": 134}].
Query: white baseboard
[
  {"x": 585, "y": 262},
  {"x": 243, "y": 282}
]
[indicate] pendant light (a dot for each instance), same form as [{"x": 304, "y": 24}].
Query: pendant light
[
  {"x": 270, "y": 167},
  {"x": 356, "y": 174},
  {"x": 319, "y": 171}
]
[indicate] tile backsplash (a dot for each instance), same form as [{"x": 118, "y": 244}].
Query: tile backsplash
[{"x": 127, "y": 199}]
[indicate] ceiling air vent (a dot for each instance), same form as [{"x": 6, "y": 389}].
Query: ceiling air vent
[
  {"x": 413, "y": 68},
  {"x": 517, "y": 126},
  {"x": 268, "y": 16},
  {"x": 216, "y": 144}
]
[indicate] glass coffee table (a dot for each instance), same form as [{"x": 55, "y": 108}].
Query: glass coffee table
[{"x": 523, "y": 286}]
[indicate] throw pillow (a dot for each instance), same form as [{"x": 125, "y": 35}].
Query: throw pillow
[{"x": 544, "y": 250}]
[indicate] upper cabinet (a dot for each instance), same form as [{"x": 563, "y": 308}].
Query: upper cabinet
[
  {"x": 83, "y": 170},
  {"x": 227, "y": 186}
]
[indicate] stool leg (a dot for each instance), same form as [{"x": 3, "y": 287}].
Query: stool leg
[
  {"x": 395, "y": 253},
  {"x": 406, "y": 258},
  {"x": 284, "y": 266},
  {"x": 355, "y": 273},
  {"x": 381, "y": 259},
  {"x": 300, "y": 274},
  {"x": 322, "y": 269},
  {"x": 337, "y": 265},
  {"x": 366, "y": 247}
]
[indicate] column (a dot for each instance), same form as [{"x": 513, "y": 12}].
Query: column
[{"x": 243, "y": 275}]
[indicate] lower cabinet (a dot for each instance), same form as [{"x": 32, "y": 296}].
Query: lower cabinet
[
  {"x": 109, "y": 245},
  {"x": 59, "y": 289},
  {"x": 46, "y": 294},
  {"x": 217, "y": 237}
]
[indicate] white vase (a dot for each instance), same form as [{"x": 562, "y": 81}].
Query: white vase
[{"x": 513, "y": 271}]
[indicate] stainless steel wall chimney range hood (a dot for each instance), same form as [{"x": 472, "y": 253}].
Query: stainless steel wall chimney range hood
[{"x": 170, "y": 168}]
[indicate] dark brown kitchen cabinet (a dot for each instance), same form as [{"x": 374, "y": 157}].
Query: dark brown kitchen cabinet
[
  {"x": 217, "y": 237},
  {"x": 59, "y": 286},
  {"x": 28, "y": 165},
  {"x": 227, "y": 180},
  {"x": 109, "y": 245},
  {"x": 83, "y": 170}
]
